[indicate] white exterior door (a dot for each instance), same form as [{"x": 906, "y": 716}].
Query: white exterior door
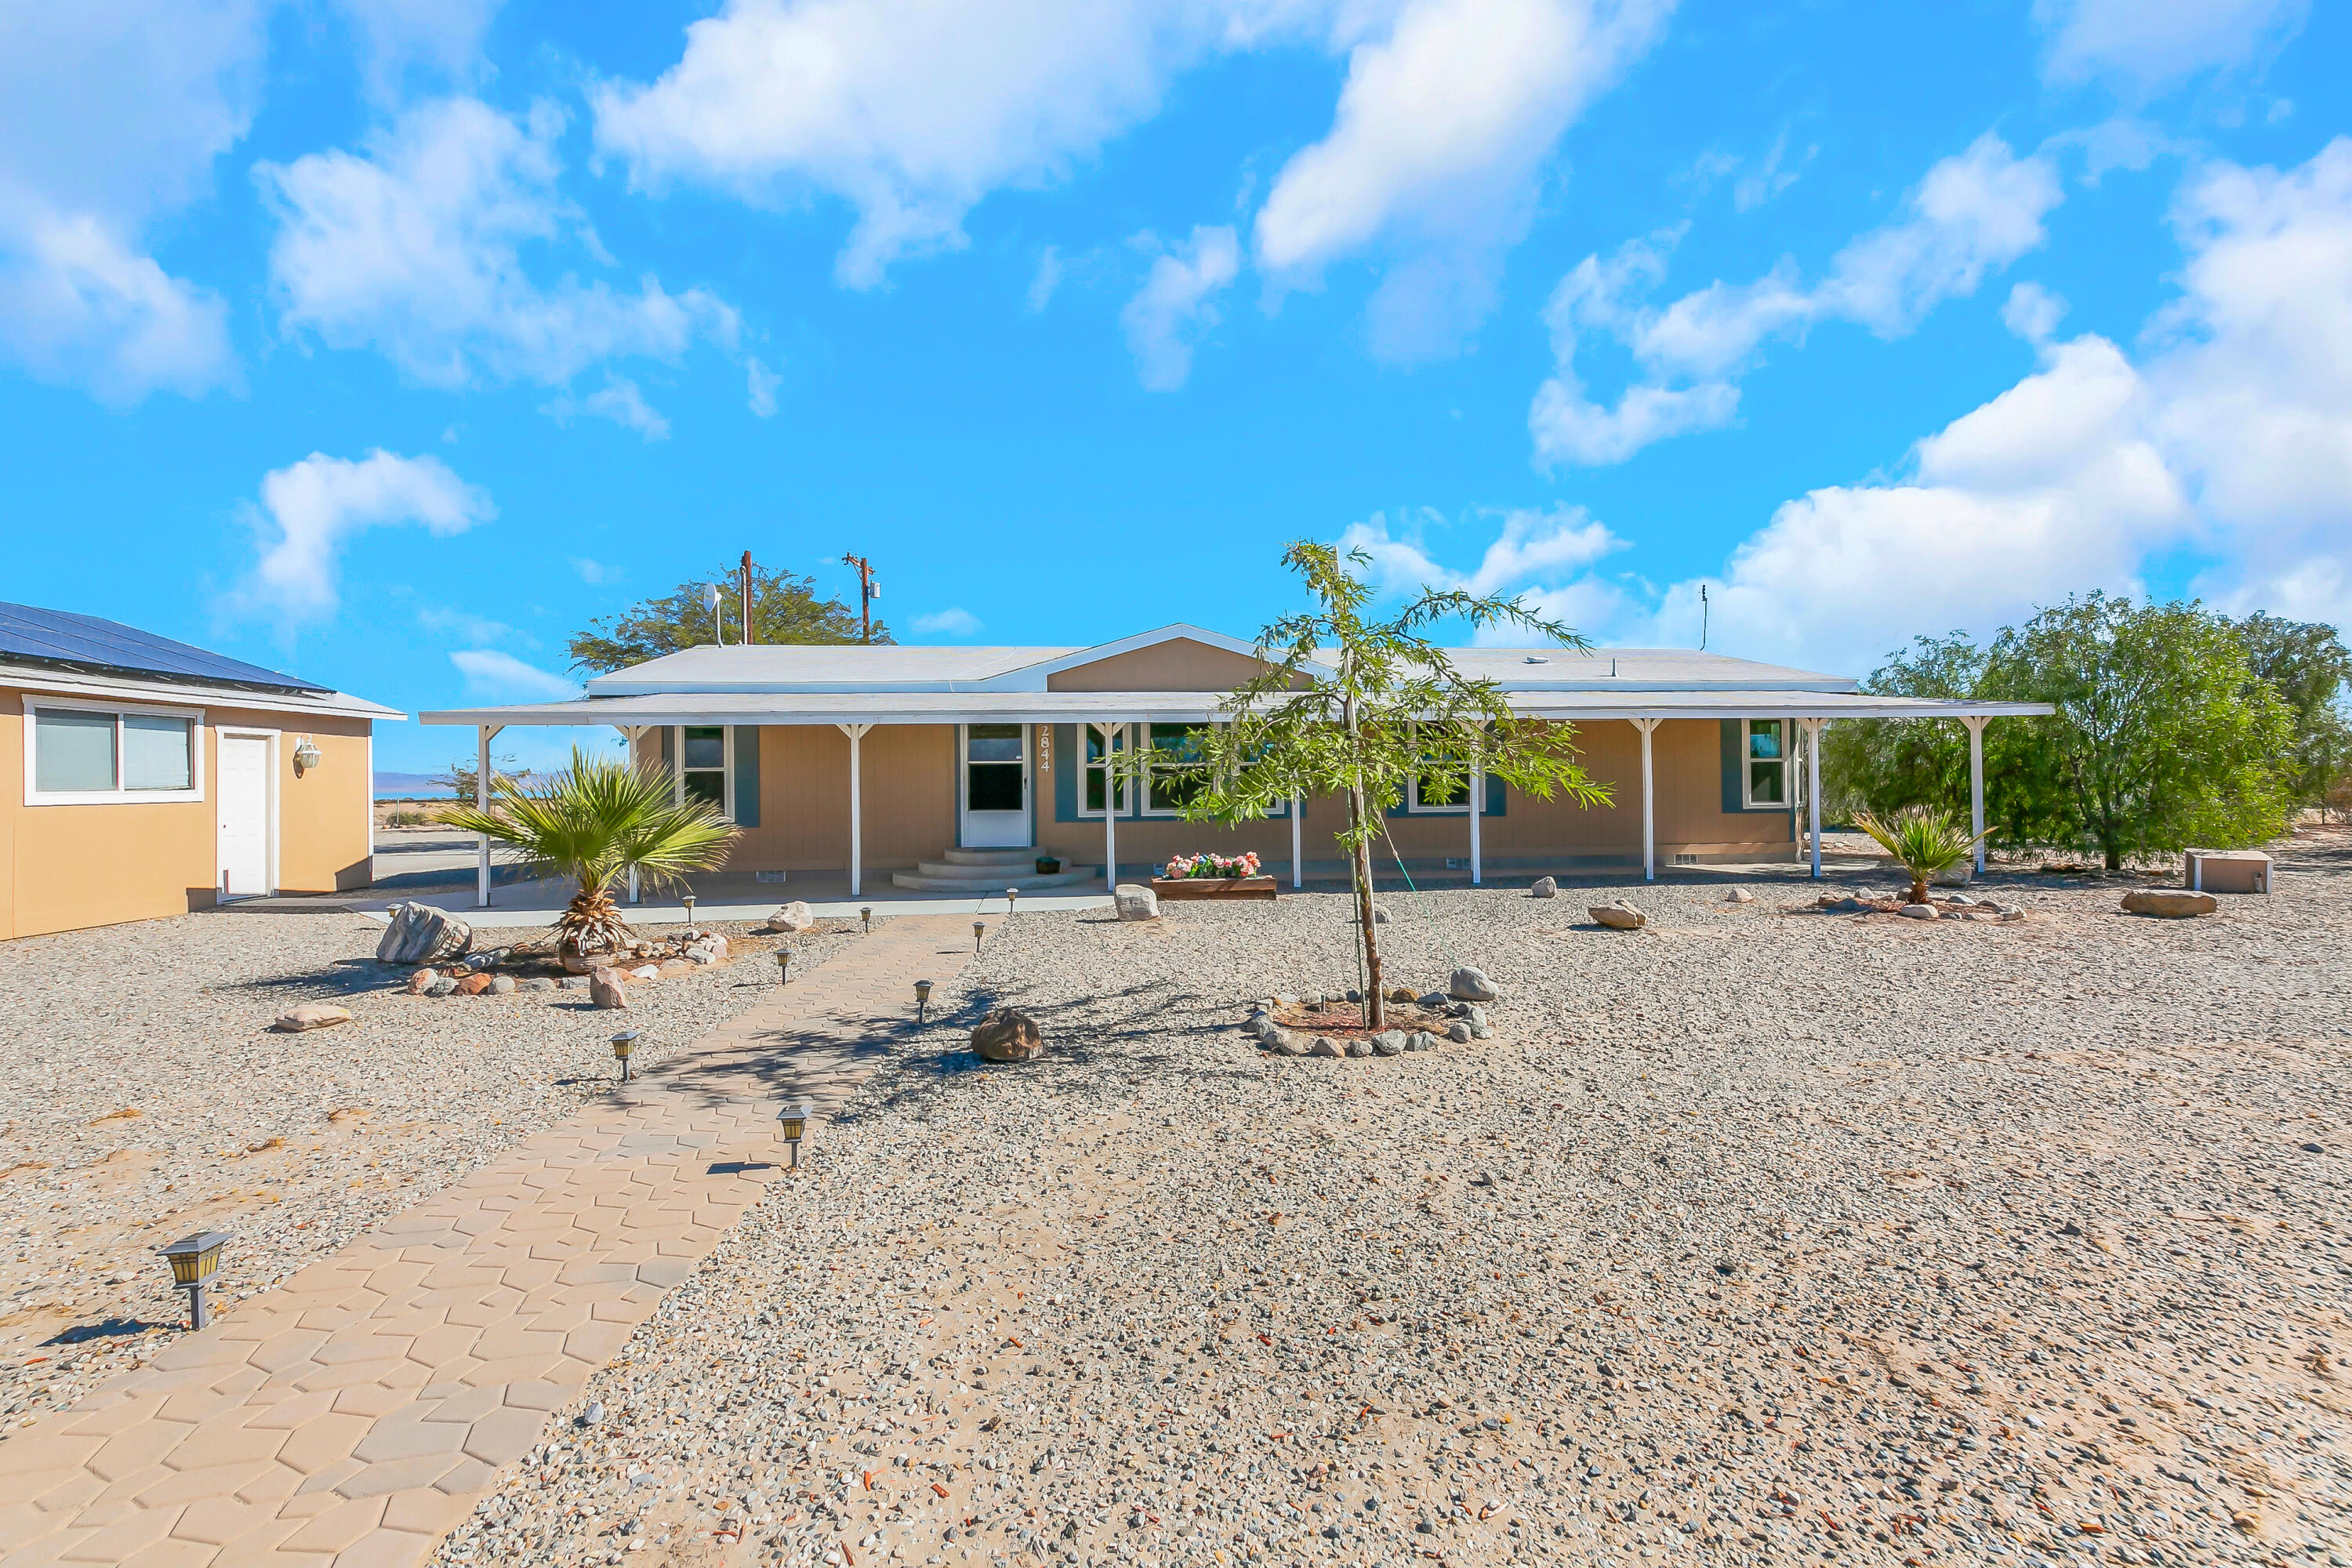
[
  {"x": 245, "y": 815},
  {"x": 993, "y": 785}
]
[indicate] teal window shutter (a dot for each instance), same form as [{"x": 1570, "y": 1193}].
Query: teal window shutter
[
  {"x": 1733, "y": 760},
  {"x": 1495, "y": 796},
  {"x": 1066, "y": 773},
  {"x": 747, "y": 775}
]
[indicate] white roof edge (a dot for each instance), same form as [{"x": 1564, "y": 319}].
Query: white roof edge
[
  {"x": 1021, "y": 678},
  {"x": 334, "y": 704}
]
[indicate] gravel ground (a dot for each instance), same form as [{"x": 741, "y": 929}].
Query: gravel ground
[
  {"x": 144, "y": 1097},
  {"x": 1759, "y": 1236}
]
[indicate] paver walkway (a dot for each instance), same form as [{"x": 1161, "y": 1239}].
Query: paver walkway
[{"x": 353, "y": 1416}]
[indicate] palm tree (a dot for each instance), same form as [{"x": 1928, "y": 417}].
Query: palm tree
[
  {"x": 594, "y": 823},
  {"x": 1924, "y": 840}
]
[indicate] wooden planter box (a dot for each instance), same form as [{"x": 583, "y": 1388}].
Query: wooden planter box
[{"x": 1213, "y": 887}]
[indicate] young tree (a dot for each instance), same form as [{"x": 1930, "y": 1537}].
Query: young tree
[
  {"x": 1356, "y": 707},
  {"x": 2163, "y": 738},
  {"x": 457, "y": 778},
  {"x": 2308, "y": 666},
  {"x": 784, "y": 609}
]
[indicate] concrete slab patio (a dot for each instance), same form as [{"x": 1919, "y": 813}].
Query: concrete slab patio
[{"x": 352, "y": 1417}]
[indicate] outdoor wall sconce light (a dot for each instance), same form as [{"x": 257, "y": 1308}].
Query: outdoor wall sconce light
[
  {"x": 793, "y": 1121},
  {"x": 978, "y": 929},
  {"x": 195, "y": 1260},
  {"x": 306, "y": 756},
  {"x": 922, "y": 1001},
  {"x": 784, "y": 966},
  {"x": 625, "y": 1045},
  {"x": 866, "y": 914}
]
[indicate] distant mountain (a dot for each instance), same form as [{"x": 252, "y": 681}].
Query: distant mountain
[{"x": 409, "y": 786}]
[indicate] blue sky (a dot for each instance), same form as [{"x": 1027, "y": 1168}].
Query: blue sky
[{"x": 390, "y": 340}]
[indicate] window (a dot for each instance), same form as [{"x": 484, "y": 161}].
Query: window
[
  {"x": 1169, "y": 784},
  {"x": 82, "y": 756},
  {"x": 1442, "y": 786},
  {"x": 1096, "y": 776},
  {"x": 1764, "y": 784},
  {"x": 702, "y": 763},
  {"x": 995, "y": 767}
]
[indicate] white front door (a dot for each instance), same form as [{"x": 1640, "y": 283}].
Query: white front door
[
  {"x": 993, "y": 785},
  {"x": 243, "y": 816}
]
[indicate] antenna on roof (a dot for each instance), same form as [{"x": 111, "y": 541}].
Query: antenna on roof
[
  {"x": 1702, "y": 618},
  {"x": 710, "y": 603}
]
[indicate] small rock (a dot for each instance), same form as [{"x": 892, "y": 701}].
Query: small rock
[
  {"x": 1421, "y": 1040},
  {"x": 1544, "y": 887},
  {"x": 1482, "y": 1032},
  {"x": 1358, "y": 1047},
  {"x": 1470, "y": 984},
  {"x": 606, "y": 989},
  {"x": 1353, "y": 995},
  {"x": 2169, "y": 903},
  {"x": 537, "y": 983},
  {"x": 1401, "y": 993},
  {"x": 442, "y": 986},
  {"x": 419, "y": 933},
  {"x": 569, "y": 982},
  {"x": 1325, "y": 1046},
  {"x": 1459, "y": 1031},
  {"x": 1380, "y": 915},
  {"x": 473, "y": 985},
  {"x": 1389, "y": 1043},
  {"x": 592, "y": 1414},
  {"x": 502, "y": 984},
  {"x": 1285, "y": 1043},
  {"x": 644, "y": 971},
  {"x": 1431, "y": 999},
  {"x": 1476, "y": 1014},
  {"x": 1135, "y": 903},
  {"x": 421, "y": 980},
  {"x": 1919, "y": 912},
  {"x": 1007, "y": 1034},
  {"x": 1847, "y": 906},
  {"x": 1739, "y": 896},
  {"x": 792, "y": 917},
  {"x": 1618, "y": 915},
  {"x": 311, "y": 1015}
]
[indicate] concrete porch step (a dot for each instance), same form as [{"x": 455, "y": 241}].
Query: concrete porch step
[
  {"x": 978, "y": 881},
  {"x": 1013, "y": 857}
]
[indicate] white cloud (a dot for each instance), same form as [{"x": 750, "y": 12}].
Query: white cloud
[
  {"x": 443, "y": 620},
  {"x": 1769, "y": 178},
  {"x": 1974, "y": 212},
  {"x": 954, "y": 622},
  {"x": 1047, "y": 277},
  {"x": 910, "y": 110},
  {"x": 1534, "y": 547},
  {"x": 407, "y": 43},
  {"x": 111, "y": 118},
  {"x": 618, "y": 400},
  {"x": 2145, "y": 47},
  {"x": 593, "y": 572},
  {"x": 763, "y": 383},
  {"x": 1170, "y": 312},
  {"x": 415, "y": 248},
  {"x": 2033, "y": 312},
  {"x": 314, "y": 505},
  {"x": 1433, "y": 155},
  {"x": 489, "y": 673}
]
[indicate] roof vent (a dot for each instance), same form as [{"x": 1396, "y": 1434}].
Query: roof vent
[{"x": 1535, "y": 658}]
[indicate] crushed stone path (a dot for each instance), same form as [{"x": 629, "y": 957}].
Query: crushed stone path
[{"x": 352, "y": 1417}]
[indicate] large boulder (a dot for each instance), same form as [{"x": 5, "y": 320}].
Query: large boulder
[
  {"x": 1470, "y": 984},
  {"x": 419, "y": 933},
  {"x": 2169, "y": 903},
  {"x": 792, "y": 917},
  {"x": 311, "y": 1015},
  {"x": 1135, "y": 903},
  {"x": 1008, "y": 1036},
  {"x": 1618, "y": 915},
  {"x": 607, "y": 989}
]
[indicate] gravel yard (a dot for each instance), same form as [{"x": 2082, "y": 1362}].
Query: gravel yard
[
  {"x": 1761, "y": 1235},
  {"x": 144, "y": 1097}
]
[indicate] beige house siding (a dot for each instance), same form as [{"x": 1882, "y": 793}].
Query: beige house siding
[
  {"x": 1179, "y": 664},
  {"x": 63, "y": 868}
]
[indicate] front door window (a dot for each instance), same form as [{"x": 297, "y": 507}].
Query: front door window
[{"x": 992, "y": 768}]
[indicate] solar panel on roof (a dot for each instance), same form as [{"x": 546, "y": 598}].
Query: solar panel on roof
[{"x": 58, "y": 636}]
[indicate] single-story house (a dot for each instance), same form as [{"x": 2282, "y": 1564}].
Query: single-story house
[
  {"x": 158, "y": 778},
  {"x": 952, "y": 768}
]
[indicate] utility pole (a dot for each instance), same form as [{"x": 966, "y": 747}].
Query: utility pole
[
  {"x": 869, "y": 590},
  {"x": 747, "y": 599}
]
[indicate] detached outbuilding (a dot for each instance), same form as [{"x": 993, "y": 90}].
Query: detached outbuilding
[{"x": 145, "y": 777}]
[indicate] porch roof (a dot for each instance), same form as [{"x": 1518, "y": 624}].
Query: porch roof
[{"x": 1174, "y": 706}]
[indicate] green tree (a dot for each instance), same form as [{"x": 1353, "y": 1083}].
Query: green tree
[
  {"x": 1356, "y": 707},
  {"x": 2308, "y": 666},
  {"x": 457, "y": 778},
  {"x": 784, "y": 609},
  {"x": 594, "y": 823},
  {"x": 2163, "y": 736},
  {"x": 1887, "y": 766}
]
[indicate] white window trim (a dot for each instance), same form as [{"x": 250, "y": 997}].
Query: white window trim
[
  {"x": 677, "y": 768},
  {"x": 1414, "y": 808},
  {"x": 1748, "y": 802},
  {"x": 1148, "y": 810},
  {"x": 272, "y": 805},
  {"x": 1119, "y": 787},
  {"x": 34, "y": 795}
]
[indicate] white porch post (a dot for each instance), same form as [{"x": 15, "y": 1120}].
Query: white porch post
[
  {"x": 1110, "y": 803},
  {"x": 1297, "y": 871},
  {"x": 1976, "y": 723},
  {"x": 1477, "y": 810},
  {"x": 855, "y": 732},
  {"x": 482, "y": 733},
  {"x": 1649, "y": 819},
  {"x": 1813, "y": 788}
]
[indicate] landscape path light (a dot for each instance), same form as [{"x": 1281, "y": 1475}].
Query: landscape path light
[
  {"x": 784, "y": 966},
  {"x": 194, "y": 1259},
  {"x": 689, "y": 901},
  {"x": 922, "y": 1001},
  {"x": 978, "y": 929},
  {"x": 625, "y": 1045},
  {"x": 792, "y": 1119},
  {"x": 1011, "y": 895},
  {"x": 866, "y": 914}
]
